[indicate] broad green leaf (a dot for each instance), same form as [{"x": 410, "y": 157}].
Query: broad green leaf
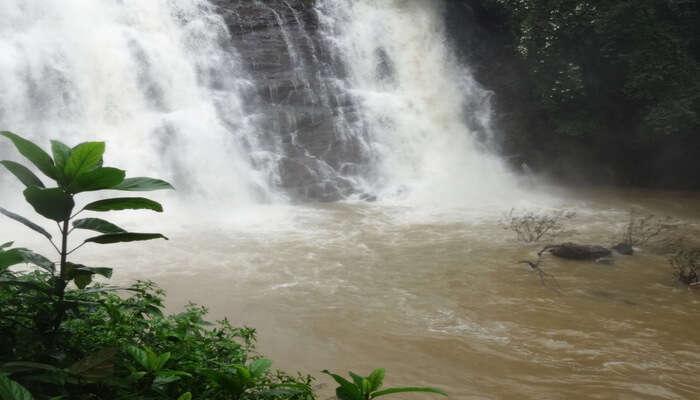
[
  {"x": 53, "y": 203},
  {"x": 357, "y": 379},
  {"x": 142, "y": 184},
  {"x": 11, "y": 390},
  {"x": 82, "y": 279},
  {"x": 33, "y": 258},
  {"x": 346, "y": 386},
  {"x": 22, "y": 366},
  {"x": 376, "y": 378},
  {"x": 406, "y": 389},
  {"x": 97, "y": 225},
  {"x": 6, "y": 245},
  {"x": 124, "y": 237},
  {"x": 97, "y": 179},
  {"x": 365, "y": 385},
  {"x": 61, "y": 154},
  {"x": 162, "y": 380},
  {"x": 22, "y": 173},
  {"x": 106, "y": 272},
  {"x": 33, "y": 153},
  {"x": 139, "y": 355},
  {"x": 85, "y": 157},
  {"x": 159, "y": 361},
  {"x": 26, "y": 222},
  {"x": 259, "y": 367},
  {"x": 124, "y": 203},
  {"x": 10, "y": 258},
  {"x": 243, "y": 373},
  {"x": 185, "y": 396}
]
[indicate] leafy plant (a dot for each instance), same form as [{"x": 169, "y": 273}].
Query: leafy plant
[
  {"x": 530, "y": 226},
  {"x": 366, "y": 388},
  {"x": 11, "y": 390},
  {"x": 73, "y": 171}
]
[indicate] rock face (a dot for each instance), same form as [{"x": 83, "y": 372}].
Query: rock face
[
  {"x": 575, "y": 251},
  {"x": 302, "y": 116}
]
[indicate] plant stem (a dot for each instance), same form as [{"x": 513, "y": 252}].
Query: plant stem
[{"x": 60, "y": 286}]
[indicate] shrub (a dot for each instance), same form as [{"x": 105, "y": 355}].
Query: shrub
[
  {"x": 115, "y": 347},
  {"x": 640, "y": 229},
  {"x": 530, "y": 226},
  {"x": 686, "y": 266}
]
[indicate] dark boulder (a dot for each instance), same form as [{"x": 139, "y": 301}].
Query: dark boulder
[{"x": 575, "y": 251}]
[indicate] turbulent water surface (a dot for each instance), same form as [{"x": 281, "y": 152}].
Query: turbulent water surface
[{"x": 255, "y": 109}]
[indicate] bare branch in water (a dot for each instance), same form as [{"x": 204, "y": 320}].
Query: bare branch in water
[{"x": 544, "y": 276}]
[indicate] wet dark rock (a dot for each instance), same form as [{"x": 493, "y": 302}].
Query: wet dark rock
[
  {"x": 624, "y": 248},
  {"x": 302, "y": 114},
  {"x": 575, "y": 251}
]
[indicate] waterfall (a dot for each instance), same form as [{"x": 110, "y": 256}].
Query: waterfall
[
  {"x": 159, "y": 80},
  {"x": 248, "y": 102},
  {"x": 428, "y": 121}
]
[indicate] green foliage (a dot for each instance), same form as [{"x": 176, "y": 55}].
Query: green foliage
[
  {"x": 366, "y": 388},
  {"x": 125, "y": 347},
  {"x": 11, "y": 390},
  {"x": 606, "y": 85},
  {"x": 75, "y": 170}
]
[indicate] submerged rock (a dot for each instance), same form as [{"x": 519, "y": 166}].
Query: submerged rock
[{"x": 575, "y": 251}]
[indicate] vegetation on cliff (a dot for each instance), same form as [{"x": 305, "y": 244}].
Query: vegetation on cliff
[{"x": 608, "y": 85}]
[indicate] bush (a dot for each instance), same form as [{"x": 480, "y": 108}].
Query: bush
[
  {"x": 111, "y": 347},
  {"x": 530, "y": 226},
  {"x": 686, "y": 266},
  {"x": 639, "y": 230}
]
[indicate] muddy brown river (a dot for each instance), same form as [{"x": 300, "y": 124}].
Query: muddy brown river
[{"x": 436, "y": 296}]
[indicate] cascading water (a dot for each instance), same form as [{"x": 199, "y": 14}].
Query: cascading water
[
  {"x": 423, "y": 112},
  {"x": 367, "y": 100},
  {"x": 159, "y": 80}
]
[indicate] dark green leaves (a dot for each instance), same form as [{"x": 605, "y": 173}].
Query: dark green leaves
[
  {"x": 15, "y": 256},
  {"x": 11, "y": 390},
  {"x": 10, "y": 258},
  {"x": 33, "y": 258},
  {"x": 82, "y": 275},
  {"x": 376, "y": 378},
  {"x": 124, "y": 203},
  {"x": 143, "y": 184},
  {"x": 76, "y": 268},
  {"x": 33, "y": 153},
  {"x": 365, "y": 388},
  {"x": 84, "y": 158},
  {"x": 61, "y": 154},
  {"x": 22, "y": 173},
  {"x": 259, "y": 367},
  {"x": 97, "y": 179},
  {"x": 97, "y": 224},
  {"x": 26, "y": 222},
  {"x": 124, "y": 237},
  {"x": 53, "y": 204}
]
